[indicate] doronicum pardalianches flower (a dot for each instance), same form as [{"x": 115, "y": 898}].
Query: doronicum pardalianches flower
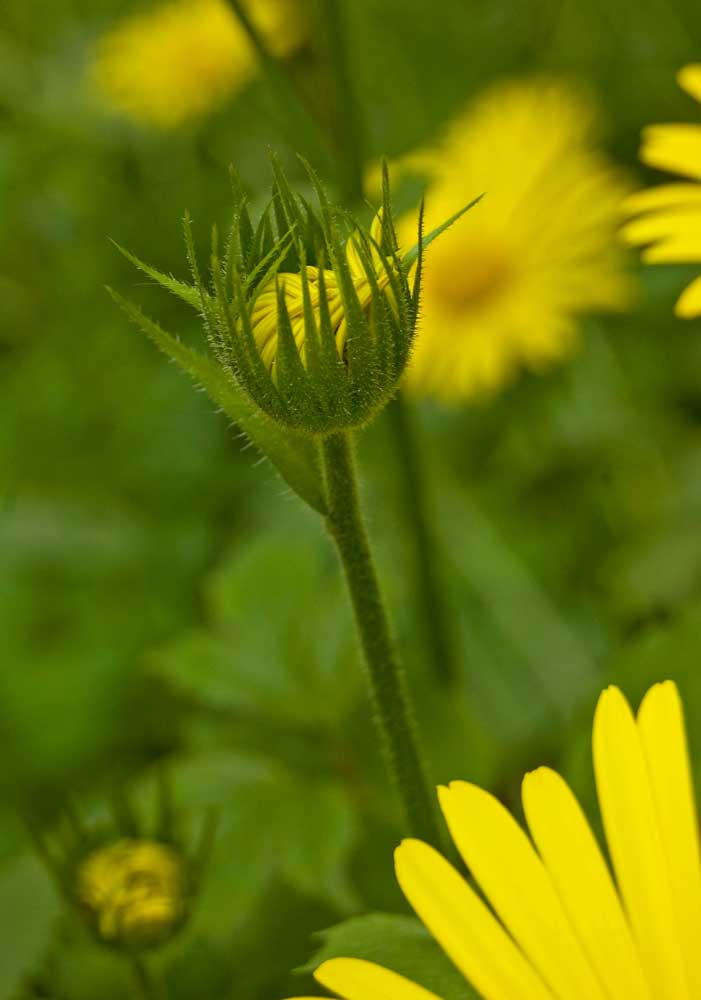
[
  {"x": 669, "y": 223},
  {"x": 184, "y": 58},
  {"x": 134, "y": 892},
  {"x": 555, "y": 925},
  {"x": 310, "y": 314},
  {"x": 504, "y": 289}
]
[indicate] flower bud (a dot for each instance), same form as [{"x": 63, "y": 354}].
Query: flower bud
[
  {"x": 318, "y": 324},
  {"x": 135, "y": 893}
]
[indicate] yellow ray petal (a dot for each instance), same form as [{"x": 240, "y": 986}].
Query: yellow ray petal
[
  {"x": 662, "y": 196},
  {"x": 575, "y": 864},
  {"x": 674, "y": 251},
  {"x": 672, "y": 223},
  {"x": 689, "y": 302},
  {"x": 689, "y": 79},
  {"x": 661, "y": 727},
  {"x": 514, "y": 880},
  {"x": 630, "y": 822},
  {"x": 676, "y": 148},
  {"x": 355, "y": 979},
  {"x": 464, "y": 927}
]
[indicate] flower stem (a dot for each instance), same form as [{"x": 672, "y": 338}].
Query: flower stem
[
  {"x": 389, "y": 694},
  {"x": 148, "y": 986},
  {"x": 351, "y": 138},
  {"x": 295, "y": 113},
  {"x": 429, "y": 597}
]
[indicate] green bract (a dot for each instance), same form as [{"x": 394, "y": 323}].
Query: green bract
[{"x": 337, "y": 360}]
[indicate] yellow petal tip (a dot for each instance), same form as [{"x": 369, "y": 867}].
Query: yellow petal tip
[{"x": 689, "y": 79}]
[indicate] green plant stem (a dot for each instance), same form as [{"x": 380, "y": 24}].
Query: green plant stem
[
  {"x": 351, "y": 133},
  {"x": 149, "y": 987},
  {"x": 388, "y": 689},
  {"x": 429, "y": 595},
  {"x": 304, "y": 130}
]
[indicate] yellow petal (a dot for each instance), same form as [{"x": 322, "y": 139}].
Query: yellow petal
[
  {"x": 355, "y": 979},
  {"x": 514, "y": 880},
  {"x": 683, "y": 250},
  {"x": 662, "y": 196},
  {"x": 464, "y": 927},
  {"x": 583, "y": 883},
  {"x": 689, "y": 302},
  {"x": 630, "y": 822},
  {"x": 672, "y": 223},
  {"x": 676, "y": 148},
  {"x": 689, "y": 79},
  {"x": 661, "y": 727}
]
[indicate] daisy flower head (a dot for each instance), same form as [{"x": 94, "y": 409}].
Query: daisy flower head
[
  {"x": 503, "y": 288},
  {"x": 668, "y": 216},
  {"x": 183, "y": 58},
  {"x": 555, "y": 924}
]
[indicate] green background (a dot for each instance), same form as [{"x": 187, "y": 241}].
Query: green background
[{"x": 164, "y": 599}]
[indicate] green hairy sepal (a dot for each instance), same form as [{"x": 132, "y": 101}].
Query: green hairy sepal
[{"x": 285, "y": 408}]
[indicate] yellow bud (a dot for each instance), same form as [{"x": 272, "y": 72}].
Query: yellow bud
[{"x": 134, "y": 891}]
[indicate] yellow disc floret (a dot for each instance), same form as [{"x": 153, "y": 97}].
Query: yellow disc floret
[{"x": 134, "y": 891}]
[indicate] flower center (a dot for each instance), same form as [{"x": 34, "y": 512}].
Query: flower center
[{"x": 470, "y": 280}]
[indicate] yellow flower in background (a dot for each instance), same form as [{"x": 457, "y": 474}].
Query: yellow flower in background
[
  {"x": 135, "y": 892},
  {"x": 184, "y": 58},
  {"x": 670, "y": 214},
  {"x": 504, "y": 287},
  {"x": 557, "y": 926}
]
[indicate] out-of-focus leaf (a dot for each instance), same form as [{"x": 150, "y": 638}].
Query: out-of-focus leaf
[
  {"x": 28, "y": 908},
  {"x": 549, "y": 668},
  {"x": 295, "y": 457},
  {"x": 263, "y": 654},
  {"x": 657, "y": 573},
  {"x": 399, "y": 943},
  {"x": 271, "y": 823}
]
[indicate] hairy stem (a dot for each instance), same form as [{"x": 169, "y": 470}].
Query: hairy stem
[
  {"x": 428, "y": 596},
  {"x": 351, "y": 138},
  {"x": 388, "y": 691}
]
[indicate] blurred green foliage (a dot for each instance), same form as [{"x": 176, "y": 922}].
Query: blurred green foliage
[{"x": 162, "y": 599}]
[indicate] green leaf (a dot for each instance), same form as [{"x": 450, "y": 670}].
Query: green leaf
[
  {"x": 290, "y": 675},
  {"x": 294, "y": 456},
  {"x": 399, "y": 943},
  {"x": 548, "y": 667},
  {"x": 412, "y": 255},
  {"x": 188, "y": 293},
  {"x": 28, "y": 907},
  {"x": 271, "y": 823}
]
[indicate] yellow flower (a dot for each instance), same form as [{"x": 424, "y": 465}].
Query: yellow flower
[
  {"x": 134, "y": 891},
  {"x": 670, "y": 214},
  {"x": 186, "y": 57},
  {"x": 264, "y": 315},
  {"x": 503, "y": 287},
  {"x": 557, "y": 926}
]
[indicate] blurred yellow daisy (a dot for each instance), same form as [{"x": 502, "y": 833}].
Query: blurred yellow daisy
[
  {"x": 183, "y": 58},
  {"x": 555, "y": 925},
  {"x": 503, "y": 287},
  {"x": 670, "y": 214}
]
